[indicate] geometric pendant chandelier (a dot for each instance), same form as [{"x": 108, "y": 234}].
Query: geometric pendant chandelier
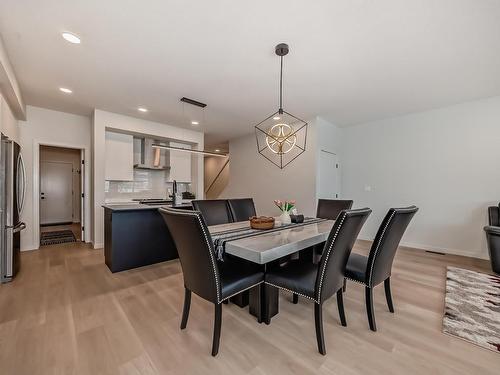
[{"x": 281, "y": 137}]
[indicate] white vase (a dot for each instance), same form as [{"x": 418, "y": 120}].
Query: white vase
[{"x": 285, "y": 218}]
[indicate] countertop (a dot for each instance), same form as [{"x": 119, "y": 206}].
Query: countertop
[{"x": 139, "y": 206}]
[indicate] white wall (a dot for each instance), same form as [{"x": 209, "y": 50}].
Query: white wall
[
  {"x": 106, "y": 120},
  {"x": 445, "y": 161},
  {"x": 67, "y": 155},
  {"x": 54, "y": 128},
  {"x": 8, "y": 122},
  {"x": 254, "y": 176}
]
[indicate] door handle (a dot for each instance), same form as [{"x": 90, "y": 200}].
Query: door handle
[{"x": 17, "y": 228}]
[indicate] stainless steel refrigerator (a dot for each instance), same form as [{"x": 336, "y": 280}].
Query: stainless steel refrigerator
[{"x": 12, "y": 197}]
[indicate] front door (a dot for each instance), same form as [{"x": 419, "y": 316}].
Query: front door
[{"x": 56, "y": 192}]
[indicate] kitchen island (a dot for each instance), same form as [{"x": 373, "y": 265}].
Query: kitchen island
[{"x": 135, "y": 235}]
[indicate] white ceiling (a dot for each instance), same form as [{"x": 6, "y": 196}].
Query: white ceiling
[{"x": 351, "y": 61}]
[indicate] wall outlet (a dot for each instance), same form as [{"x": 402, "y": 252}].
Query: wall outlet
[{"x": 368, "y": 188}]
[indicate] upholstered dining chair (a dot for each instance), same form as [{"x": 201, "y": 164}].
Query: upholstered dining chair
[
  {"x": 241, "y": 209},
  {"x": 319, "y": 282},
  {"x": 493, "y": 237},
  {"x": 376, "y": 267},
  {"x": 330, "y": 208},
  {"x": 326, "y": 209},
  {"x": 214, "y": 211},
  {"x": 203, "y": 275}
]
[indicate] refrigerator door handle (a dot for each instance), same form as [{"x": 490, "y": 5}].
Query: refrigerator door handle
[
  {"x": 19, "y": 227},
  {"x": 21, "y": 186}
]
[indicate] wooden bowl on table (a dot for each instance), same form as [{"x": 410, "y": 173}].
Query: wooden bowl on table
[{"x": 262, "y": 222}]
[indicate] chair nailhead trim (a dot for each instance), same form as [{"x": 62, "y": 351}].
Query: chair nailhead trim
[
  {"x": 241, "y": 291},
  {"x": 291, "y": 291},
  {"x": 370, "y": 277},
  {"x": 356, "y": 281},
  {"x": 212, "y": 260},
  {"x": 328, "y": 255}
]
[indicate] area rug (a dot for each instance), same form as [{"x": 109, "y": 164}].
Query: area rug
[
  {"x": 55, "y": 237},
  {"x": 472, "y": 307}
]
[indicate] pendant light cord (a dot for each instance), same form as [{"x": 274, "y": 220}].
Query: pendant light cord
[{"x": 281, "y": 84}]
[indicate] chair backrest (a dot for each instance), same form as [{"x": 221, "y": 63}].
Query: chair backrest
[
  {"x": 196, "y": 252},
  {"x": 386, "y": 243},
  {"x": 241, "y": 209},
  {"x": 494, "y": 216},
  {"x": 215, "y": 211},
  {"x": 336, "y": 252},
  {"x": 330, "y": 208}
]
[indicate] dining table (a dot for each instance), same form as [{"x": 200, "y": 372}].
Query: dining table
[{"x": 268, "y": 248}]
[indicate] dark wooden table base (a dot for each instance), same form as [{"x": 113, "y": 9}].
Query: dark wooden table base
[{"x": 264, "y": 302}]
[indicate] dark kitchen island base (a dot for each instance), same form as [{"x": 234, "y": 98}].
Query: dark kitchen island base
[{"x": 135, "y": 237}]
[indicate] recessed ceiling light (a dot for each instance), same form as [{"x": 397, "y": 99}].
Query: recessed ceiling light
[
  {"x": 195, "y": 123},
  {"x": 65, "y": 90},
  {"x": 142, "y": 109},
  {"x": 72, "y": 38},
  {"x": 276, "y": 118},
  {"x": 217, "y": 150}
]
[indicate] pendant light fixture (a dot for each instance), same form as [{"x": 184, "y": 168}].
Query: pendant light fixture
[{"x": 281, "y": 137}]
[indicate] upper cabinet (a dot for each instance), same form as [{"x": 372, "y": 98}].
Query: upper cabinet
[
  {"x": 180, "y": 163},
  {"x": 119, "y": 160}
]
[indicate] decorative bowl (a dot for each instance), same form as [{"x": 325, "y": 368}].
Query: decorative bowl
[{"x": 262, "y": 222}]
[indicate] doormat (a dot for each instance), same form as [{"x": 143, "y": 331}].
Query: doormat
[{"x": 56, "y": 237}]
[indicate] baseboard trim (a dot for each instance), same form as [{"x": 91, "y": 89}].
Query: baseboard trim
[
  {"x": 30, "y": 248},
  {"x": 478, "y": 254},
  {"x": 98, "y": 245}
]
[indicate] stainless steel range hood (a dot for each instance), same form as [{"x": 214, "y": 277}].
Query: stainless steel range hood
[{"x": 147, "y": 157}]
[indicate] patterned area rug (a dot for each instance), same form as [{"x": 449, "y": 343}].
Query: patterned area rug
[
  {"x": 55, "y": 237},
  {"x": 472, "y": 307}
]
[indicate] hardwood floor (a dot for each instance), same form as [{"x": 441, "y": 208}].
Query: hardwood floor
[{"x": 67, "y": 314}]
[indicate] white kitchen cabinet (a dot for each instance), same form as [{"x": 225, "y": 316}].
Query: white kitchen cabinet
[
  {"x": 180, "y": 163},
  {"x": 119, "y": 161}
]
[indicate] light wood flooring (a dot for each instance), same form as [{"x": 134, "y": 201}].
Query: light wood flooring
[{"x": 67, "y": 314}]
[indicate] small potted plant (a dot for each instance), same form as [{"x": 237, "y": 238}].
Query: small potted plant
[{"x": 285, "y": 208}]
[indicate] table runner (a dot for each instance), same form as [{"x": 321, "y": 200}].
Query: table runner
[{"x": 221, "y": 238}]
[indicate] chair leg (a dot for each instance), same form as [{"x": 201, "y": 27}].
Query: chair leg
[
  {"x": 388, "y": 295},
  {"x": 295, "y": 298},
  {"x": 344, "y": 287},
  {"x": 318, "y": 320},
  {"x": 340, "y": 305},
  {"x": 217, "y": 327},
  {"x": 185, "y": 310},
  {"x": 369, "y": 308}
]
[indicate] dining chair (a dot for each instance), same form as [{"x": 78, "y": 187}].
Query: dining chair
[
  {"x": 241, "y": 209},
  {"x": 326, "y": 209},
  {"x": 214, "y": 211},
  {"x": 319, "y": 282},
  {"x": 330, "y": 208},
  {"x": 492, "y": 231},
  {"x": 203, "y": 275},
  {"x": 376, "y": 268}
]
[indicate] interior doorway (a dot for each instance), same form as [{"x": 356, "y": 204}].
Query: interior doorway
[
  {"x": 328, "y": 173},
  {"x": 61, "y": 195}
]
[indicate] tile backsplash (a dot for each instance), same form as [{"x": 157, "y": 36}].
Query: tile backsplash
[{"x": 146, "y": 184}]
